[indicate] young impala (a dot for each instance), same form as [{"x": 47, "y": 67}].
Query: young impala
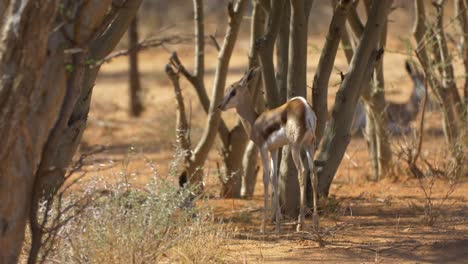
[{"x": 291, "y": 124}]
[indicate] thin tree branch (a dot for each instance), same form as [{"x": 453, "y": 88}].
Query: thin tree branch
[
  {"x": 265, "y": 50},
  {"x": 146, "y": 44},
  {"x": 199, "y": 87}
]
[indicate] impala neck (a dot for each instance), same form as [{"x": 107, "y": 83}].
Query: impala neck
[{"x": 247, "y": 112}]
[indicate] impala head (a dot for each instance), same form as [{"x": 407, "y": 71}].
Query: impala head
[
  {"x": 238, "y": 91},
  {"x": 418, "y": 79}
]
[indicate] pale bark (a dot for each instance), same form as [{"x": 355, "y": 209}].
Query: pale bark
[
  {"x": 197, "y": 78},
  {"x": 235, "y": 12},
  {"x": 235, "y": 140},
  {"x": 338, "y": 135}
]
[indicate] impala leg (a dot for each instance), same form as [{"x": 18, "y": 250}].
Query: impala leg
[
  {"x": 314, "y": 181},
  {"x": 266, "y": 182},
  {"x": 274, "y": 179},
  {"x": 296, "y": 155}
]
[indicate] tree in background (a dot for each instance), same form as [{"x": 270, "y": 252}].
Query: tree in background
[
  {"x": 234, "y": 141},
  {"x": 136, "y": 97},
  {"x": 373, "y": 96},
  {"x": 432, "y": 52},
  {"x": 47, "y": 64},
  {"x": 337, "y": 136}
]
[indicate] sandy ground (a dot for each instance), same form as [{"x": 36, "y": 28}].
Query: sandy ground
[{"x": 370, "y": 222}]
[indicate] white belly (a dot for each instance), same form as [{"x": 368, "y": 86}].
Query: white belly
[{"x": 277, "y": 139}]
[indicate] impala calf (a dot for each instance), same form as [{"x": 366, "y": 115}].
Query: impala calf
[{"x": 291, "y": 124}]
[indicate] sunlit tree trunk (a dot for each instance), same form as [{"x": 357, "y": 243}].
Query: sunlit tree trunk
[
  {"x": 42, "y": 128},
  {"x": 337, "y": 136}
]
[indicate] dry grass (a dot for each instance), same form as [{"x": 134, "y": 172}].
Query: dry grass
[{"x": 129, "y": 222}]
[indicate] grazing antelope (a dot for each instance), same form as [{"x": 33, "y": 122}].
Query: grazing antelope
[
  {"x": 291, "y": 124},
  {"x": 399, "y": 114}
]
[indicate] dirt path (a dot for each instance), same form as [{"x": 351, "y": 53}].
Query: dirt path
[{"x": 368, "y": 228}]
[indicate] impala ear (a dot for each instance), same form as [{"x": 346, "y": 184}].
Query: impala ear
[{"x": 250, "y": 75}]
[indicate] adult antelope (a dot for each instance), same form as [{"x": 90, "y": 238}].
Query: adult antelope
[
  {"x": 399, "y": 115},
  {"x": 291, "y": 124}
]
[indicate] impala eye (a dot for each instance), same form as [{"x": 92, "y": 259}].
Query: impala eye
[{"x": 233, "y": 93}]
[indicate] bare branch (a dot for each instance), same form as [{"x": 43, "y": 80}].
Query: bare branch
[
  {"x": 214, "y": 116},
  {"x": 199, "y": 39},
  {"x": 355, "y": 22},
  {"x": 215, "y": 42},
  {"x": 199, "y": 87},
  {"x": 148, "y": 43},
  {"x": 421, "y": 124},
  {"x": 182, "y": 126},
  {"x": 265, "y": 50}
]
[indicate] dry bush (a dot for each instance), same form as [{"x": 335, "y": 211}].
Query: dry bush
[
  {"x": 123, "y": 223},
  {"x": 430, "y": 173}
]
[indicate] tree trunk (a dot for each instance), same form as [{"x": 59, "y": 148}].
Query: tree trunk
[
  {"x": 443, "y": 93},
  {"x": 234, "y": 141},
  {"x": 250, "y": 157},
  {"x": 265, "y": 48},
  {"x": 233, "y": 157},
  {"x": 136, "y": 100},
  {"x": 296, "y": 86},
  {"x": 461, "y": 8},
  {"x": 98, "y": 30},
  {"x": 25, "y": 30},
  {"x": 282, "y": 53},
  {"x": 235, "y": 12},
  {"x": 382, "y": 151},
  {"x": 338, "y": 136},
  {"x": 373, "y": 95},
  {"x": 325, "y": 65}
]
